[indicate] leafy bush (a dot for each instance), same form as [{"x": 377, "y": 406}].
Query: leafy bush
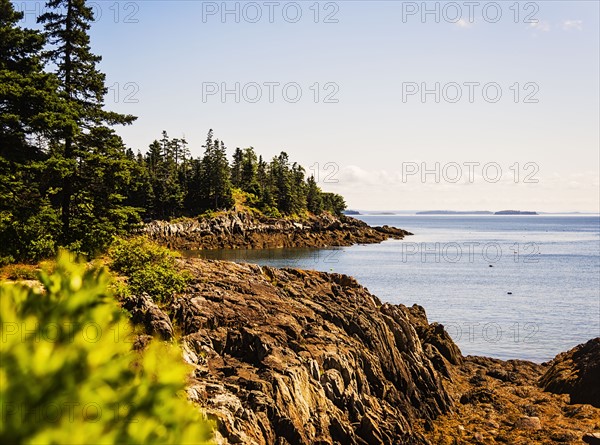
[
  {"x": 149, "y": 268},
  {"x": 68, "y": 375}
]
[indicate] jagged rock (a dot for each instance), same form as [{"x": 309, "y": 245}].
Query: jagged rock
[
  {"x": 144, "y": 311},
  {"x": 434, "y": 334},
  {"x": 577, "y": 373},
  {"x": 236, "y": 229},
  {"x": 304, "y": 357}
]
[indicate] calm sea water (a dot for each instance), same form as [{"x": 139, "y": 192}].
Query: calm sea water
[{"x": 540, "y": 297}]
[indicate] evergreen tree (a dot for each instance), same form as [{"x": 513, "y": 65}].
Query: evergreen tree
[
  {"x": 194, "y": 202},
  {"x": 249, "y": 172},
  {"x": 166, "y": 196},
  {"x": 281, "y": 182},
  {"x": 299, "y": 186},
  {"x": 314, "y": 199},
  {"x": 30, "y": 109},
  {"x": 82, "y": 87},
  {"x": 236, "y": 168},
  {"x": 139, "y": 194},
  {"x": 334, "y": 203},
  {"x": 104, "y": 179},
  {"x": 216, "y": 190},
  {"x": 29, "y": 103}
]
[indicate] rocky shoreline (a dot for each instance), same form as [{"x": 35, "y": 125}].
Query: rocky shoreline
[
  {"x": 287, "y": 356},
  {"x": 246, "y": 229}
]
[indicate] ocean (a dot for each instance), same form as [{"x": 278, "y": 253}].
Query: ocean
[{"x": 509, "y": 287}]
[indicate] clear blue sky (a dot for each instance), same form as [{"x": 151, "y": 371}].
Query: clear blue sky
[{"x": 367, "y": 54}]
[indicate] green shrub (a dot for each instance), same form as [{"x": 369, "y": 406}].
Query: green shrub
[
  {"x": 68, "y": 374},
  {"x": 271, "y": 211},
  {"x": 149, "y": 268}
]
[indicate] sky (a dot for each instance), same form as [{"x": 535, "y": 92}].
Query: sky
[{"x": 395, "y": 105}]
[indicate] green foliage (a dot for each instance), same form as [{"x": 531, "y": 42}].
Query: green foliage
[
  {"x": 68, "y": 375},
  {"x": 216, "y": 191},
  {"x": 149, "y": 268},
  {"x": 314, "y": 197},
  {"x": 271, "y": 211},
  {"x": 29, "y": 225},
  {"x": 99, "y": 212},
  {"x": 64, "y": 175},
  {"x": 334, "y": 203}
]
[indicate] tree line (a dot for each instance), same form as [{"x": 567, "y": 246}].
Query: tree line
[
  {"x": 67, "y": 178},
  {"x": 170, "y": 183}
]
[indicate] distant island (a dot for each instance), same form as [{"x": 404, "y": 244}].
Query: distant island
[
  {"x": 474, "y": 212},
  {"x": 351, "y": 212},
  {"x": 514, "y": 212},
  {"x": 454, "y": 212}
]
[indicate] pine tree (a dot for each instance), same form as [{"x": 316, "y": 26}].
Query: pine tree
[
  {"x": 81, "y": 85},
  {"x": 281, "y": 181},
  {"x": 194, "y": 201},
  {"x": 216, "y": 190},
  {"x": 297, "y": 175},
  {"x": 104, "y": 179},
  {"x": 30, "y": 107},
  {"x": 334, "y": 203},
  {"x": 314, "y": 200},
  {"x": 166, "y": 198},
  {"x": 29, "y": 102},
  {"x": 249, "y": 172},
  {"x": 236, "y": 168}
]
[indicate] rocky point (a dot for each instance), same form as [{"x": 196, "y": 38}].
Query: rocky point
[{"x": 249, "y": 229}]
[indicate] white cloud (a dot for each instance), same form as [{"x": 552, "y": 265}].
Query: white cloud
[
  {"x": 540, "y": 25},
  {"x": 569, "y": 25},
  {"x": 462, "y": 23}
]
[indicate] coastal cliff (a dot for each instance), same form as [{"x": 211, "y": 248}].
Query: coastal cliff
[
  {"x": 247, "y": 229},
  {"x": 287, "y": 356}
]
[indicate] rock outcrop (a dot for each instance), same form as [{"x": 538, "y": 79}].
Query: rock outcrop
[
  {"x": 290, "y": 356},
  {"x": 237, "y": 229},
  {"x": 293, "y": 357},
  {"x": 577, "y": 373}
]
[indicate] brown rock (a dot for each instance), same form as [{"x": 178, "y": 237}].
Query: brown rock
[
  {"x": 286, "y": 356},
  {"x": 301, "y": 357},
  {"x": 577, "y": 373},
  {"x": 237, "y": 229},
  {"x": 529, "y": 423},
  {"x": 144, "y": 311}
]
